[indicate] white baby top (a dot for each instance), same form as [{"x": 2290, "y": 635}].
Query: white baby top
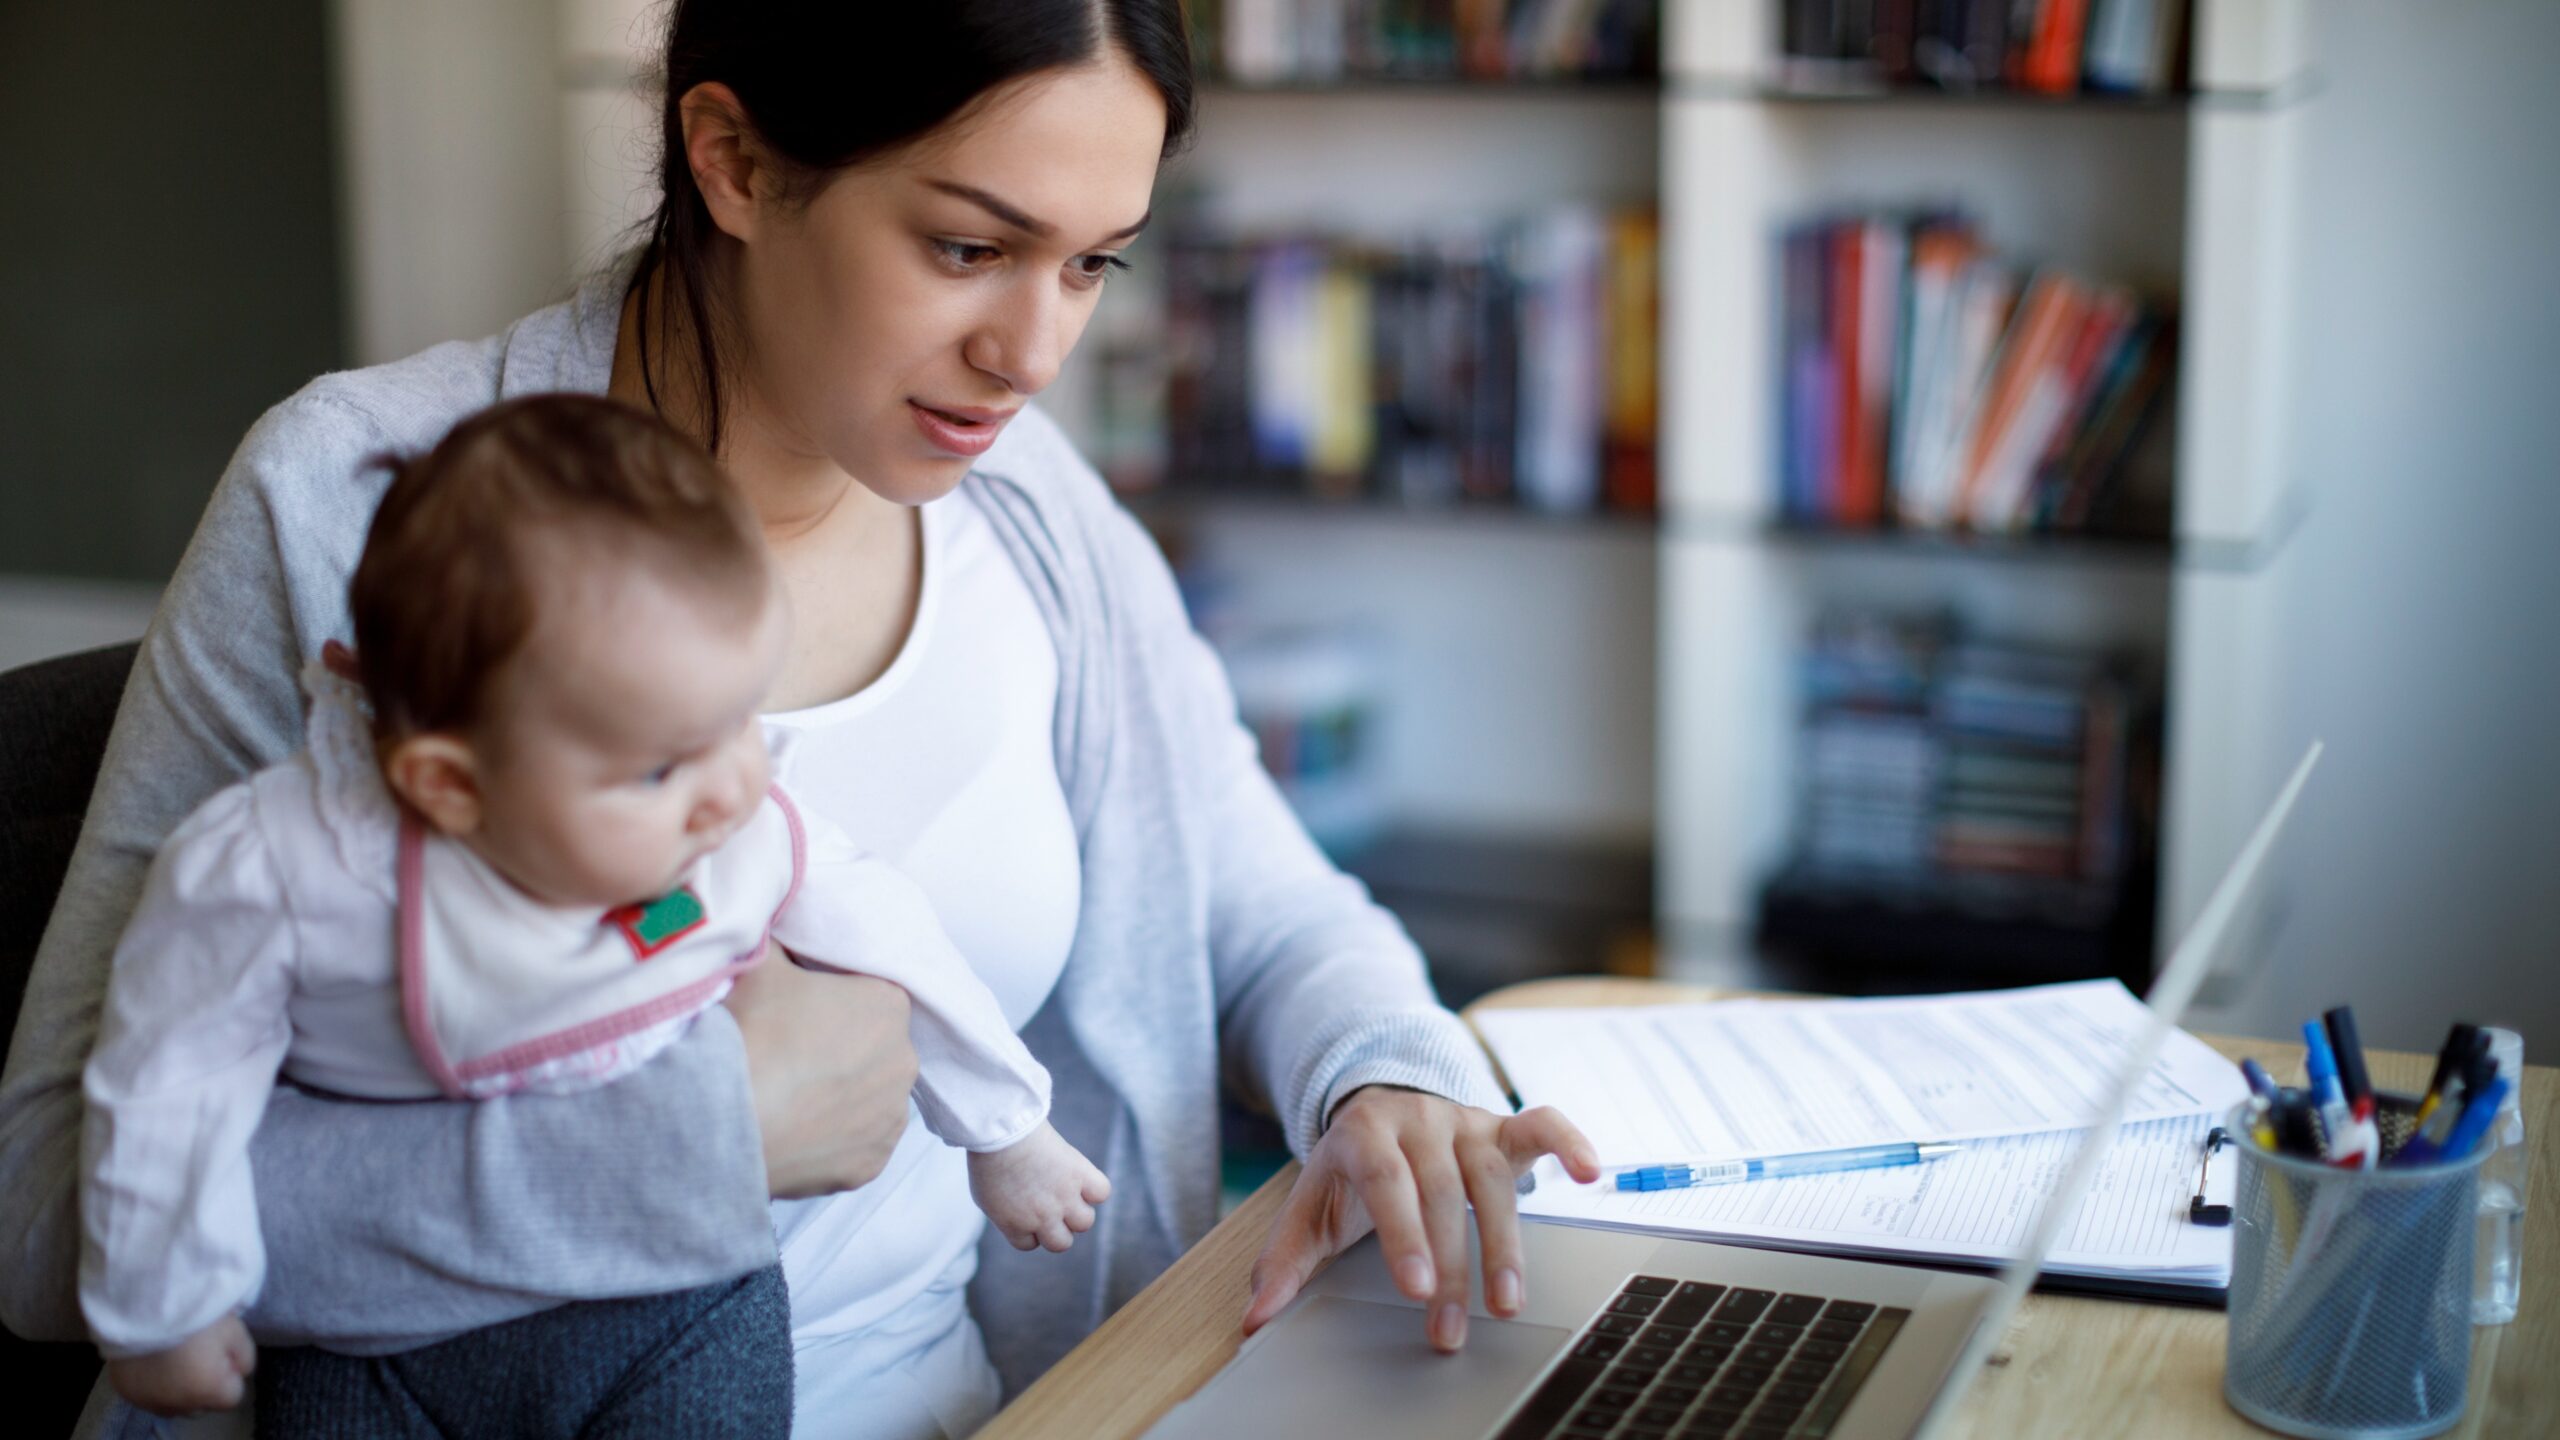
[{"x": 296, "y": 923}]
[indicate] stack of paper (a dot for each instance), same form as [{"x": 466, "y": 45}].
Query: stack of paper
[{"x": 2012, "y": 1074}]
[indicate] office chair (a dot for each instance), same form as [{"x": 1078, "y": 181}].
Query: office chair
[{"x": 54, "y": 717}]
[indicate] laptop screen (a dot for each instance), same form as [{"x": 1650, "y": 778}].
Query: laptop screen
[{"x": 2167, "y": 1002}]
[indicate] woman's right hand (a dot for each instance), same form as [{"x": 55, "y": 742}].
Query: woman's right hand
[{"x": 831, "y": 1064}]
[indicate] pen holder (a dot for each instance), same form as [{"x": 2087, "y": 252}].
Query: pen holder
[{"x": 2350, "y": 1292}]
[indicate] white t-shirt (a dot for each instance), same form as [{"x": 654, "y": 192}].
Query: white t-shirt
[{"x": 945, "y": 766}]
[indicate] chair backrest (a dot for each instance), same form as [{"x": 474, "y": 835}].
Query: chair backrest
[{"x": 54, "y": 717}]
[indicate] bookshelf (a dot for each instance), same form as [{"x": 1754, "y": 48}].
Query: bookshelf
[{"x": 2181, "y": 193}]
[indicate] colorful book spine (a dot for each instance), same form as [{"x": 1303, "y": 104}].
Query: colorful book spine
[
  {"x": 1560, "y": 258},
  {"x": 1925, "y": 754},
  {"x": 1805, "y": 377},
  {"x": 2021, "y": 402},
  {"x": 1849, "y": 359},
  {"x": 1505, "y": 363},
  {"x": 1921, "y": 385},
  {"x": 1881, "y": 260},
  {"x": 1634, "y": 326},
  {"x": 2045, "y": 47},
  {"x": 2053, "y": 56}
]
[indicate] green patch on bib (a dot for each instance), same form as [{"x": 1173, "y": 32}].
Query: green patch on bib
[{"x": 660, "y": 923}]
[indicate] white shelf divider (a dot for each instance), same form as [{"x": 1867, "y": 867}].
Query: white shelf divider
[
  {"x": 2237, "y": 491},
  {"x": 1716, "y": 283}
]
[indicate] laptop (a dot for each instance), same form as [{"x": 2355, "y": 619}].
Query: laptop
[{"x": 1633, "y": 1337}]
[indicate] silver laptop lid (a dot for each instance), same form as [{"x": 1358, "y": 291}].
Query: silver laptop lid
[{"x": 2167, "y": 1002}]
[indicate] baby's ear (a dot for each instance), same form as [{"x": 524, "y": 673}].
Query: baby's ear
[{"x": 436, "y": 776}]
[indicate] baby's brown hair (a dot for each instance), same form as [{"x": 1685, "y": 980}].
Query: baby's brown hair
[{"x": 450, "y": 583}]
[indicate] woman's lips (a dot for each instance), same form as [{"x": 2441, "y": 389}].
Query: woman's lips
[{"x": 965, "y": 432}]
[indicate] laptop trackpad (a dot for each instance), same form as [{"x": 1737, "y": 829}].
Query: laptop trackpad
[{"x": 1348, "y": 1367}]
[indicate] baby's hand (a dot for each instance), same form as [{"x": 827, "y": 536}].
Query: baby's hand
[
  {"x": 1038, "y": 1190},
  {"x": 208, "y": 1370}
]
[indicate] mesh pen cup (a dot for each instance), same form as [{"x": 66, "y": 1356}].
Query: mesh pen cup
[{"x": 2350, "y": 1293}]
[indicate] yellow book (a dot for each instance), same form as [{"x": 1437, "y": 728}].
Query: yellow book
[
  {"x": 1346, "y": 429},
  {"x": 1631, "y": 415}
]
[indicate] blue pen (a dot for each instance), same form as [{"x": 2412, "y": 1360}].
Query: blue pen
[
  {"x": 1689, "y": 1174},
  {"x": 2336, "y": 1121},
  {"x": 2261, "y": 1084},
  {"x": 2435, "y": 1140},
  {"x": 2477, "y": 1118}
]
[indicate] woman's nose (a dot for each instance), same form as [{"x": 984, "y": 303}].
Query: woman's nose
[{"x": 1026, "y": 342}]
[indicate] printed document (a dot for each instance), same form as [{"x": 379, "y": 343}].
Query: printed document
[
  {"x": 2011, "y": 1074},
  {"x": 1654, "y": 1083}
]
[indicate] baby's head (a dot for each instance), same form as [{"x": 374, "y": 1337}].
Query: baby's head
[{"x": 566, "y": 624}]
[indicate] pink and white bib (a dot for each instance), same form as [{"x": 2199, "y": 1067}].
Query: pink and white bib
[{"x": 500, "y": 992}]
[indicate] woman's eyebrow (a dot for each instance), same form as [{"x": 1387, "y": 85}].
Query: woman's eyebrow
[{"x": 1021, "y": 220}]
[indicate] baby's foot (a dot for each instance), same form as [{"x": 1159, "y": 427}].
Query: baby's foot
[
  {"x": 1040, "y": 1190},
  {"x": 208, "y": 1370}
]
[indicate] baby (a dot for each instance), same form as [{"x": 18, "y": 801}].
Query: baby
[{"x": 551, "y": 843}]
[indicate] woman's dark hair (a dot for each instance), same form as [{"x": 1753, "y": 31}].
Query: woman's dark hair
[{"x": 829, "y": 84}]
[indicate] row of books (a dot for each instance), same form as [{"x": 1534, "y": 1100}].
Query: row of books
[
  {"x": 1295, "y": 42},
  {"x": 1930, "y": 384},
  {"x": 1927, "y": 753},
  {"x": 2051, "y": 47},
  {"x": 1499, "y": 363}
]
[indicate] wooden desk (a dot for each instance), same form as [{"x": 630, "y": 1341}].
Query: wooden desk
[{"x": 2078, "y": 1368}]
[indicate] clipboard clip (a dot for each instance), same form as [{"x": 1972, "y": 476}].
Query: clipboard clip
[{"x": 2198, "y": 1212}]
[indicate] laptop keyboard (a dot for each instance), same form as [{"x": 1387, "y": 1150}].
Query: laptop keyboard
[{"x": 1670, "y": 1358}]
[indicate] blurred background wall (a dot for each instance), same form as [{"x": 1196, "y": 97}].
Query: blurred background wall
[
  {"x": 451, "y": 168},
  {"x": 173, "y": 266},
  {"x": 2420, "y": 637},
  {"x": 220, "y": 202}
]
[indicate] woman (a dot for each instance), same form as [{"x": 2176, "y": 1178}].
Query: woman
[{"x": 883, "y": 230}]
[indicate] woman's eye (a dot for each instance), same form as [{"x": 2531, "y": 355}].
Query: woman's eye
[
  {"x": 962, "y": 255},
  {"x": 1098, "y": 268}
]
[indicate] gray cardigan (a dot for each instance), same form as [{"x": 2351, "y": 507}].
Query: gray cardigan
[{"x": 1210, "y": 928}]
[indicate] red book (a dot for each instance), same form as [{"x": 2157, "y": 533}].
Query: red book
[
  {"x": 1882, "y": 257},
  {"x": 2053, "y": 57},
  {"x": 1481, "y": 42},
  {"x": 1848, "y": 243}
]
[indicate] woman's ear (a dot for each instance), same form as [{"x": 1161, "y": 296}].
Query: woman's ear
[
  {"x": 728, "y": 161},
  {"x": 437, "y": 776}
]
